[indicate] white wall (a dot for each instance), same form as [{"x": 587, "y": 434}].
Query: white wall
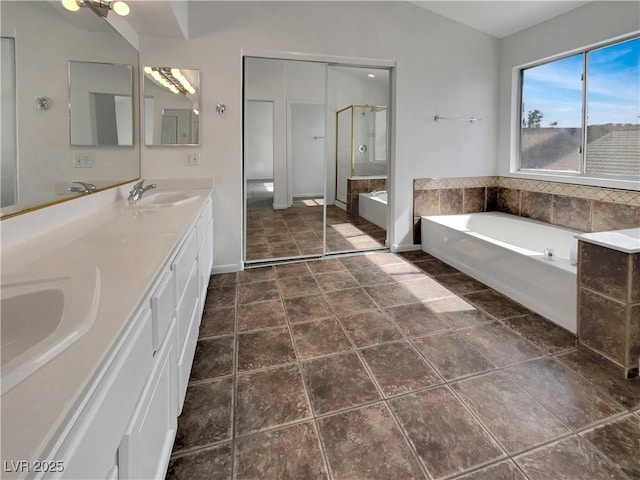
[
  {"x": 259, "y": 140},
  {"x": 443, "y": 67},
  {"x": 591, "y": 24}
]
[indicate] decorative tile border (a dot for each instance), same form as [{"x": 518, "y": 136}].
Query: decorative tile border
[
  {"x": 454, "y": 182},
  {"x": 613, "y": 195}
]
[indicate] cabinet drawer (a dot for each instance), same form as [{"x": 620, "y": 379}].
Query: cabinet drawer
[
  {"x": 185, "y": 307},
  {"x": 163, "y": 306},
  {"x": 91, "y": 445},
  {"x": 146, "y": 447},
  {"x": 183, "y": 263},
  {"x": 203, "y": 222},
  {"x": 186, "y": 355}
]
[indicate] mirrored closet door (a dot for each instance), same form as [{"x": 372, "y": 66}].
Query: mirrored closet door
[{"x": 315, "y": 159}]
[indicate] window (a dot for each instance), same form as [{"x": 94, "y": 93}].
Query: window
[{"x": 581, "y": 114}]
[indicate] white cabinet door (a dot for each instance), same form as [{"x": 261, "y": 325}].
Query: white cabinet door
[
  {"x": 146, "y": 447},
  {"x": 93, "y": 441}
]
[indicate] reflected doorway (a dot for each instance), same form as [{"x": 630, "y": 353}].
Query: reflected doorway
[{"x": 299, "y": 203}]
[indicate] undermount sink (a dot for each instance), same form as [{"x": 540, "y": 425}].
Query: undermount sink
[
  {"x": 164, "y": 199},
  {"x": 42, "y": 315}
]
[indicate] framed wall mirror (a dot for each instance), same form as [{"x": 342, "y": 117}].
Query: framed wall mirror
[
  {"x": 100, "y": 104},
  {"x": 41, "y": 153},
  {"x": 171, "y": 106}
]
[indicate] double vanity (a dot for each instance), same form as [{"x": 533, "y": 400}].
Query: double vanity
[{"x": 99, "y": 329}]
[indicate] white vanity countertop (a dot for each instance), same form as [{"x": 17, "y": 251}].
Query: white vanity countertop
[
  {"x": 627, "y": 241},
  {"x": 129, "y": 247}
]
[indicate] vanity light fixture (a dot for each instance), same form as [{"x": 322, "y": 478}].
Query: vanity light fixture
[
  {"x": 99, "y": 7},
  {"x": 171, "y": 78}
]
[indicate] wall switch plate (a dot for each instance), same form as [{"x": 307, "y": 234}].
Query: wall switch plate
[
  {"x": 83, "y": 160},
  {"x": 192, "y": 160}
]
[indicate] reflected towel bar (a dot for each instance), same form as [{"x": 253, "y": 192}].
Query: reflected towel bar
[{"x": 437, "y": 118}]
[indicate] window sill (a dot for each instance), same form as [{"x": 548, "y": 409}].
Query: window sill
[{"x": 577, "y": 180}]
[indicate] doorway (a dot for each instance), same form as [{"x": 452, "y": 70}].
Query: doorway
[{"x": 290, "y": 159}]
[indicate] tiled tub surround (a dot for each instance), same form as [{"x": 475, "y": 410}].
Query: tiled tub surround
[
  {"x": 388, "y": 367},
  {"x": 128, "y": 247},
  {"x": 356, "y": 186},
  {"x": 609, "y": 303},
  {"x": 579, "y": 207}
]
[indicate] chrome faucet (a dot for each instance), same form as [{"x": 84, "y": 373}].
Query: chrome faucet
[
  {"x": 138, "y": 190},
  {"x": 82, "y": 187}
]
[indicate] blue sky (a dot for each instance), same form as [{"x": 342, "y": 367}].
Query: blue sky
[{"x": 613, "y": 94}]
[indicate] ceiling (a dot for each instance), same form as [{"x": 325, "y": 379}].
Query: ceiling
[
  {"x": 168, "y": 18},
  {"x": 500, "y": 18}
]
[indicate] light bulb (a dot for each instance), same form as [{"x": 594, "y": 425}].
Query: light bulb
[
  {"x": 371, "y": 75},
  {"x": 148, "y": 70},
  {"x": 121, "y": 8},
  {"x": 71, "y": 5}
]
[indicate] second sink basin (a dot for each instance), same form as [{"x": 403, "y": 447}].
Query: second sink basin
[
  {"x": 164, "y": 199},
  {"x": 42, "y": 315}
]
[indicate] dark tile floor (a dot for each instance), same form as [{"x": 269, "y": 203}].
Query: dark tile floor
[
  {"x": 383, "y": 366},
  {"x": 298, "y": 231}
]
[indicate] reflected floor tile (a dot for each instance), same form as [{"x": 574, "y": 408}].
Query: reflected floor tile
[
  {"x": 367, "y": 444},
  {"x": 338, "y": 382},
  {"x": 398, "y": 368},
  {"x": 270, "y": 398},
  {"x": 257, "y": 315},
  {"x": 452, "y": 356},
  {"x": 514, "y": 418},
  {"x": 500, "y": 471},
  {"x": 570, "y": 459},
  {"x": 500, "y": 345},
  {"x": 445, "y": 435},
  {"x": 300, "y": 309},
  {"x": 349, "y": 301},
  {"x": 575, "y": 401},
  {"x": 320, "y": 337},
  {"x": 370, "y": 328},
  {"x": 605, "y": 377},
  {"x": 213, "y": 358},
  {"x": 210, "y": 464},
  {"x": 291, "y": 453},
  {"x": 206, "y": 415},
  {"x": 217, "y": 321},
  {"x": 415, "y": 319},
  {"x": 264, "y": 348},
  {"x": 620, "y": 442},
  {"x": 496, "y": 305},
  {"x": 458, "y": 313},
  {"x": 543, "y": 333}
]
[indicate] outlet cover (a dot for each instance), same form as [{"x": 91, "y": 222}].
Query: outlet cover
[
  {"x": 82, "y": 160},
  {"x": 192, "y": 160}
]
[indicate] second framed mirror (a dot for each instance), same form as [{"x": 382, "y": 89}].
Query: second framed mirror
[{"x": 171, "y": 106}]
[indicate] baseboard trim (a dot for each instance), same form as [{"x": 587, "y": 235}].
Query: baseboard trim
[
  {"x": 230, "y": 268},
  {"x": 406, "y": 248}
]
